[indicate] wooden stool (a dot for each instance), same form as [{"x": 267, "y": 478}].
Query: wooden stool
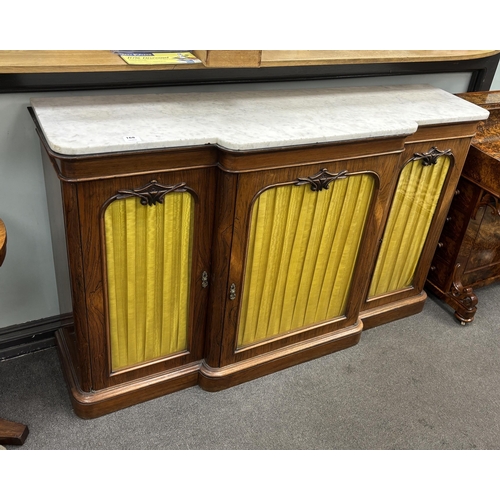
[{"x": 10, "y": 432}]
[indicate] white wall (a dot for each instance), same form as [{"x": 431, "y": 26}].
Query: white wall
[{"x": 27, "y": 277}]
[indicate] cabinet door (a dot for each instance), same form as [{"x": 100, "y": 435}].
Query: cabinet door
[
  {"x": 146, "y": 265},
  {"x": 302, "y": 242},
  {"x": 423, "y": 194}
]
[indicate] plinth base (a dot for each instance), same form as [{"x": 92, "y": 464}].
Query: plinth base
[
  {"x": 101, "y": 402},
  {"x": 393, "y": 311}
]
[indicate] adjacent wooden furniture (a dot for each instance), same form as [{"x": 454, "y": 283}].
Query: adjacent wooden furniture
[
  {"x": 243, "y": 254},
  {"x": 10, "y": 432},
  {"x": 468, "y": 253}
]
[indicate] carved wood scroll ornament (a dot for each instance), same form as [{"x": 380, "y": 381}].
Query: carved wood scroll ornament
[
  {"x": 151, "y": 193},
  {"x": 321, "y": 180},
  {"x": 431, "y": 157}
]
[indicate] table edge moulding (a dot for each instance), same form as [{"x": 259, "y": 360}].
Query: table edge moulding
[{"x": 214, "y": 237}]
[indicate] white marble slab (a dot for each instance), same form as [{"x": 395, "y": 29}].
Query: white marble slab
[{"x": 244, "y": 120}]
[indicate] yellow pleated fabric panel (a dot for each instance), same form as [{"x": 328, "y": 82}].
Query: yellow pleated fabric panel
[
  {"x": 302, "y": 250},
  {"x": 411, "y": 215},
  {"x": 148, "y": 257}
]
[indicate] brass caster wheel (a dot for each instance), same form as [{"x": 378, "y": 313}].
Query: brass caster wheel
[{"x": 463, "y": 323}]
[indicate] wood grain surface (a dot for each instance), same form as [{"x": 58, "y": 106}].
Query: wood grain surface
[{"x": 64, "y": 61}]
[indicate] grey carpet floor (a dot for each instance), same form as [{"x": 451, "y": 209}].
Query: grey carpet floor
[{"x": 420, "y": 383}]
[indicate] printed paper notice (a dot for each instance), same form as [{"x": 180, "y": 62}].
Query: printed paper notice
[{"x": 148, "y": 58}]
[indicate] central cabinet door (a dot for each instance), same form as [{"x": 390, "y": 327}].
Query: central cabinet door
[
  {"x": 302, "y": 244},
  {"x": 301, "y": 251}
]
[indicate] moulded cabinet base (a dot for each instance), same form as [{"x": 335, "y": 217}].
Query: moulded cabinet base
[
  {"x": 216, "y": 379},
  {"x": 393, "y": 311},
  {"x": 97, "y": 403},
  {"x": 94, "y": 404},
  {"x": 101, "y": 402}
]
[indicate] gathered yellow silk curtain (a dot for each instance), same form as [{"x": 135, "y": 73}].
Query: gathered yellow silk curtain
[
  {"x": 415, "y": 202},
  {"x": 301, "y": 255},
  {"x": 148, "y": 260}
]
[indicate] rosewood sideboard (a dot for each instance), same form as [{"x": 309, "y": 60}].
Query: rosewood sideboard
[
  {"x": 468, "y": 253},
  {"x": 212, "y": 238}
]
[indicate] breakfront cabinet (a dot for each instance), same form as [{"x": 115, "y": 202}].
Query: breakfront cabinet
[{"x": 212, "y": 238}]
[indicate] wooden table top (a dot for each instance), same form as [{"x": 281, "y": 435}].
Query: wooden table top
[
  {"x": 317, "y": 57},
  {"x": 67, "y": 61},
  {"x": 71, "y": 61}
]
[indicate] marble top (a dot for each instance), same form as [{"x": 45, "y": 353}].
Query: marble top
[{"x": 244, "y": 120}]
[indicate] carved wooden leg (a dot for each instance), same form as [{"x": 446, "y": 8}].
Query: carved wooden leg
[
  {"x": 467, "y": 307},
  {"x": 12, "y": 432},
  {"x": 464, "y": 299}
]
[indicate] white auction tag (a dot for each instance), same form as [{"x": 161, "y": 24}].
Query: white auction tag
[{"x": 132, "y": 138}]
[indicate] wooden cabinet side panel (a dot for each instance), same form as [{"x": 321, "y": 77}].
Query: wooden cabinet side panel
[
  {"x": 90, "y": 197},
  {"x": 78, "y": 292},
  {"x": 53, "y": 190}
]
